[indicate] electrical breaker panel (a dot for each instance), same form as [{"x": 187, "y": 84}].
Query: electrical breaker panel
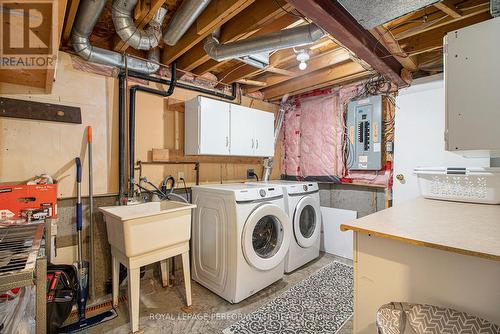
[{"x": 364, "y": 124}]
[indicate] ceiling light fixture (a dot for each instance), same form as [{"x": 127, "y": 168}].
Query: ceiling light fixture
[{"x": 302, "y": 58}]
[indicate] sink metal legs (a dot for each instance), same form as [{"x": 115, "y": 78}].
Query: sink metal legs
[{"x": 134, "y": 264}]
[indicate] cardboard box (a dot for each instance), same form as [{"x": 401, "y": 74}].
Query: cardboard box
[{"x": 15, "y": 198}]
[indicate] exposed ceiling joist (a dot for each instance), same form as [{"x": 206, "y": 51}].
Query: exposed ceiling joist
[
  {"x": 250, "y": 82},
  {"x": 449, "y": 8},
  {"x": 332, "y": 17},
  {"x": 327, "y": 77},
  {"x": 320, "y": 62},
  {"x": 216, "y": 14},
  {"x": 243, "y": 25},
  {"x": 144, "y": 13},
  {"x": 280, "y": 71},
  {"x": 433, "y": 39},
  {"x": 240, "y": 71},
  {"x": 386, "y": 39},
  {"x": 435, "y": 20}
]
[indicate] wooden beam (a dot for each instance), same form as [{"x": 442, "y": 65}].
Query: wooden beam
[
  {"x": 320, "y": 62},
  {"x": 449, "y": 8},
  {"x": 144, "y": 15},
  {"x": 433, "y": 39},
  {"x": 215, "y": 15},
  {"x": 70, "y": 19},
  {"x": 334, "y": 18},
  {"x": 386, "y": 39},
  {"x": 243, "y": 25},
  {"x": 327, "y": 77}
]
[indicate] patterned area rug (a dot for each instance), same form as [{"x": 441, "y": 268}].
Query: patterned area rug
[{"x": 321, "y": 303}]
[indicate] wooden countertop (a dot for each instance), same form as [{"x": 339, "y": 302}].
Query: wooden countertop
[{"x": 470, "y": 229}]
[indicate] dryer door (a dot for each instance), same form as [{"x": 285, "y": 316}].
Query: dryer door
[
  {"x": 266, "y": 236},
  {"x": 307, "y": 222}
]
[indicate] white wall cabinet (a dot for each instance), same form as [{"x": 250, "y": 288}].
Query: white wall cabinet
[
  {"x": 206, "y": 127},
  {"x": 214, "y": 127}
]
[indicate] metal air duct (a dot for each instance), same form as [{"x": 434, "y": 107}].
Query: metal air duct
[
  {"x": 128, "y": 32},
  {"x": 297, "y": 36},
  {"x": 184, "y": 17},
  {"x": 86, "y": 18}
]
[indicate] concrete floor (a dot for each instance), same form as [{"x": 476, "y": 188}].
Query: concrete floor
[{"x": 162, "y": 308}]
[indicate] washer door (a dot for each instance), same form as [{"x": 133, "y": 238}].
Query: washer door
[
  {"x": 306, "y": 222},
  {"x": 266, "y": 236}
]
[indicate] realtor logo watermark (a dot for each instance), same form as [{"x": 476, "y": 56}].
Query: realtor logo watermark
[{"x": 28, "y": 35}]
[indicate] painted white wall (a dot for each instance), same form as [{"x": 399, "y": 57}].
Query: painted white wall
[
  {"x": 419, "y": 136},
  {"x": 334, "y": 241}
]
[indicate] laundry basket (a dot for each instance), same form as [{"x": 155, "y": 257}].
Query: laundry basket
[
  {"x": 476, "y": 185},
  {"x": 405, "y": 318}
]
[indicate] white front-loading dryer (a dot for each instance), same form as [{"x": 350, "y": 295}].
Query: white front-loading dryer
[
  {"x": 240, "y": 238},
  {"x": 303, "y": 207}
]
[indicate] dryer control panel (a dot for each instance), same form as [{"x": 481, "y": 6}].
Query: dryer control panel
[{"x": 364, "y": 124}]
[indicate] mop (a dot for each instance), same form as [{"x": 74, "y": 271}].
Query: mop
[{"x": 83, "y": 271}]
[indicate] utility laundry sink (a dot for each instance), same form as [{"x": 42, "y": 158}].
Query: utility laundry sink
[{"x": 147, "y": 227}]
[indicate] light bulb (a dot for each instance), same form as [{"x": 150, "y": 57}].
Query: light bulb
[{"x": 302, "y": 65}]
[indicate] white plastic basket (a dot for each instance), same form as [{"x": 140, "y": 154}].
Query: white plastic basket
[{"x": 475, "y": 185}]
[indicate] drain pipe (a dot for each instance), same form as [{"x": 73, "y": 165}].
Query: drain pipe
[
  {"x": 132, "y": 104},
  {"x": 268, "y": 162},
  {"x": 121, "y": 137},
  {"x": 86, "y": 19},
  {"x": 297, "y": 36},
  {"x": 142, "y": 76},
  {"x": 184, "y": 17}
]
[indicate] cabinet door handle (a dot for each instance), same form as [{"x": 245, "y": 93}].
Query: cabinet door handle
[
  {"x": 253, "y": 143},
  {"x": 257, "y": 145},
  {"x": 227, "y": 141}
]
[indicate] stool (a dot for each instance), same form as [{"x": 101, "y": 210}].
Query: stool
[
  {"x": 133, "y": 265},
  {"x": 403, "y": 318}
]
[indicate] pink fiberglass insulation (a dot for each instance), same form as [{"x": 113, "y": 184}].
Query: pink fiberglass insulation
[
  {"x": 318, "y": 124},
  {"x": 313, "y": 133},
  {"x": 310, "y": 139},
  {"x": 290, "y": 156}
]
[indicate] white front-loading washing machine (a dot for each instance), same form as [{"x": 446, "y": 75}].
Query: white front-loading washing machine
[
  {"x": 303, "y": 208},
  {"x": 240, "y": 237}
]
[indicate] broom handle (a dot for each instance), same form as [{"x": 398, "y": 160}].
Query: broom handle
[
  {"x": 91, "y": 214},
  {"x": 79, "y": 208}
]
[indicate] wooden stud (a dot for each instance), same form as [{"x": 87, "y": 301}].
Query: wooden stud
[{"x": 70, "y": 19}]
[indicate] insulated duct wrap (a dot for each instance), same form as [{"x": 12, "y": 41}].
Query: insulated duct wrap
[
  {"x": 85, "y": 21},
  {"x": 129, "y": 33},
  {"x": 298, "y": 36}
]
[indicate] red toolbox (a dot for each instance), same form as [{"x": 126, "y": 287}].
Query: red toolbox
[{"x": 16, "y": 198}]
